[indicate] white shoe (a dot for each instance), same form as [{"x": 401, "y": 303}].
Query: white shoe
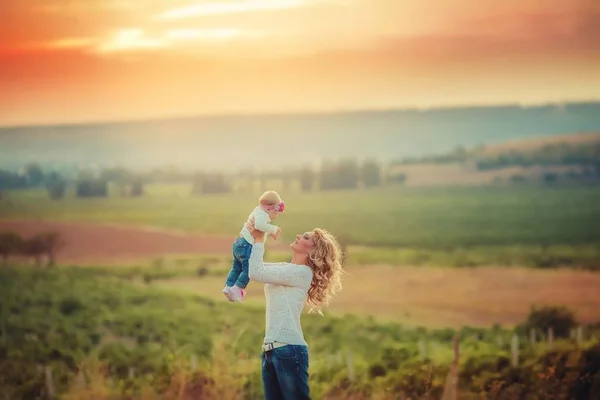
[{"x": 227, "y": 292}]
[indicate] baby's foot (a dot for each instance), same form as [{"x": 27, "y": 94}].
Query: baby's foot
[
  {"x": 227, "y": 292},
  {"x": 237, "y": 293}
]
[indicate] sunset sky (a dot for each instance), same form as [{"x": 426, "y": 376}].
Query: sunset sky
[{"x": 98, "y": 60}]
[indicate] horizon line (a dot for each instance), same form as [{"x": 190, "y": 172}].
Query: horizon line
[{"x": 458, "y": 106}]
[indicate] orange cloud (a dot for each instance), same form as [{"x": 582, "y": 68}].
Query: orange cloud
[
  {"x": 233, "y": 7},
  {"x": 97, "y": 60}
]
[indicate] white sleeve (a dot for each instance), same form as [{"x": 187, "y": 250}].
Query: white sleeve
[
  {"x": 297, "y": 276},
  {"x": 261, "y": 222}
]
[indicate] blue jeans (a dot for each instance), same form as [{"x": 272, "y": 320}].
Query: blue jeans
[
  {"x": 285, "y": 373},
  {"x": 239, "y": 270}
]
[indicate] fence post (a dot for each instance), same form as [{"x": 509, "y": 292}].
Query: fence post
[
  {"x": 551, "y": 338},
  {"x": 500, "y": 341},
  {"x": 3, "y": 331},
  {"x": 49, "y": 381},
  {"x": 532, "y": 337},
  {"x": 514, "y": 350},
  {"x": 80, "y": 380},
  {"x": 350, "y": 365},
  {"x": 131, "y": 372},
  {"x": 579, "y": 336},
  {"x": 423, "y": 349},
  {"x": 194, "y": 362}
]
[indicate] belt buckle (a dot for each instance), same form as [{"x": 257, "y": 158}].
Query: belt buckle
[{"x": 268, "y": 347}]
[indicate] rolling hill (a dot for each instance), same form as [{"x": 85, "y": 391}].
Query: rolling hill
[{"x": 231, "y": 142}]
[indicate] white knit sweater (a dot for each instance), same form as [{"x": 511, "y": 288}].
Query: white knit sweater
[
  {"x": 286, "y": 288},
  {"x": 261, "y": 222}
]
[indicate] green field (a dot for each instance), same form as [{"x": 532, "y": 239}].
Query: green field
[
  {"x": 110, "y": 326},
  {"x": 540, "y": 226},
  {"x": 130, "y": 332},
  {"x": 406, "y": 217}
]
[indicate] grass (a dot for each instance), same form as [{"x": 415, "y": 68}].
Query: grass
[
  {"x": 430, "y": 218},
  {"x": 422, "y": 296},
  {"x": 585, "y": 256},
  {"x": 98, "y": 323},
  {"x": 542, "y": 227}
]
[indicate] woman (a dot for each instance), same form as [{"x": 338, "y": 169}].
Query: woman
[{"x": 313, "y": 277}]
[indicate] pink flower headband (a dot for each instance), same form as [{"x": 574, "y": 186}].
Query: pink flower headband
[{"x": 279, "y": 207}]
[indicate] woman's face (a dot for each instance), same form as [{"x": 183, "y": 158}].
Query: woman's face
[{"x": 303, "y": 243}]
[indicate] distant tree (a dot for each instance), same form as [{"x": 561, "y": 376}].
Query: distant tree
[
  {"x": 120, "y": 176},
  {"x": 137, "y": 187},
  {"x": 56, "y": 186},
  {"x": 92, "y": 188},
  {"x": 348, "y": 173},
  {"x": 33, "y": 174},
  {"x": 10, "y": 180},
  {"x": 550, "y": 177},
  {"x": 210, "y": 183},
  {"x": 559, "y": 318},
  {"x": 44, "y": 244},
  {"x": 370, "y": 174},
  {"x": 10, "y": 243},
  {"x": 344, "y": 174},
  {"x": 307, "y": 179}
]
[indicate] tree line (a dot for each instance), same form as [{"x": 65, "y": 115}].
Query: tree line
[
  {"x": 344, "y": 173},
  {"x": 341, "y": 174},
  {"x": 584, "y": 156},
  {"x": 86, "y": 184}
]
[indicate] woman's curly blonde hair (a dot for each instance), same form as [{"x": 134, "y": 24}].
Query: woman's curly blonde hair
[{"x": 325, "y": 260}]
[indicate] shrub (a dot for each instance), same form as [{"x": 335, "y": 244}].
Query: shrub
[
  {"x": 56, "y": 186},
  {"x": 44, "y": 244},
  {"x": 10, "y": 243},
  {"x": 559, "y": 318}
]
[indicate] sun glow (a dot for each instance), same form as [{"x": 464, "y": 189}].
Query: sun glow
[
  {"x": 129, "y": 39},
  {"x": 216, "y": 8},
  {"x": 207, "y": 34}
]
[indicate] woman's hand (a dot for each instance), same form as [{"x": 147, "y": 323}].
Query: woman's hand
[{"x": 259, "y": 236}]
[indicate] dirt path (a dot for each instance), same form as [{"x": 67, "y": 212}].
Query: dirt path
[{"x": 87, "y": 243}]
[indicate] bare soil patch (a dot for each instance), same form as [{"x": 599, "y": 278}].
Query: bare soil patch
[
  {"x": 90, "y": 243},
  {"x": 440, "y": 297}
]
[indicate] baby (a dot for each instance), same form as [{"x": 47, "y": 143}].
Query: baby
[{"x": 269, "y": 206}]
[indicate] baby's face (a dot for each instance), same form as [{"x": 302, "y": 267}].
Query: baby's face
[{"x": 273, "y": 214}]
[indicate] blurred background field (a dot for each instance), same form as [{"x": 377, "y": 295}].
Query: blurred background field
[
  {"x": 112, "y": 284},
  {"x": 452, "y": 148}
]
